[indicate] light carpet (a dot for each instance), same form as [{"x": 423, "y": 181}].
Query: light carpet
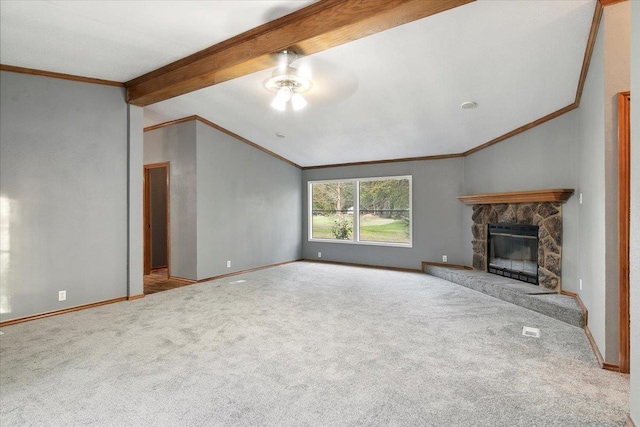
[{"x": 306, "y": 344}]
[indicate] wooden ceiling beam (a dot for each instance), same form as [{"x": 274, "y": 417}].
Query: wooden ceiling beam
[
  {"x": 610, "y": 2},
  {"x": 317, "y": 27}
]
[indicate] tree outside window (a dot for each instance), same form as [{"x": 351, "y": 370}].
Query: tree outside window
[{"x": 332, "y": 206}]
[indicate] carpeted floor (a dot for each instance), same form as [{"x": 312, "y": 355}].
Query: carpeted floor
[{"x": 306, "y": 344}]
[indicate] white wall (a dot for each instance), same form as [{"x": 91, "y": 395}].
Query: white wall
[
  {"x": 249, "y": 206},
  {"x": 176, "y": 144},
  {"x": 63, "y": 190},
  {"x": 436, "y": 215},
  {"x": 635, "y": 213}
]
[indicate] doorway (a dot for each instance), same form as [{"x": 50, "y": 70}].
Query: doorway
[
  {"x": 624, "y": 217},
  {"x": 156, "y": 219}
]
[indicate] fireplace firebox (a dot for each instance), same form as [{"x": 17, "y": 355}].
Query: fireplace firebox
[{"x": 513, "y": 251}]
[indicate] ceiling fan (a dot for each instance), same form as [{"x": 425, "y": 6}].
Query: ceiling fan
[
  {"x": 315, "y": 80},
  {"x": 288, "y": 83}
]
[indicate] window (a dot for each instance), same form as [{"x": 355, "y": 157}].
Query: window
[
  {"x": 375, "y": 211},
  {"x": 332, "y": 216}
]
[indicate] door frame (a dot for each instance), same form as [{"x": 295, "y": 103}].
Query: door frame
[
  {"x": 624, "y": 217},
  {"x": 146, "y": 225}
]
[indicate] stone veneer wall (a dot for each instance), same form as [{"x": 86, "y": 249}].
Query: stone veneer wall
[{"x": 546, "y": 215}]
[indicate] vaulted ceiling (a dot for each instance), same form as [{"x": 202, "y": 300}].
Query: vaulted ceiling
[{"x": 390, "y": 95}]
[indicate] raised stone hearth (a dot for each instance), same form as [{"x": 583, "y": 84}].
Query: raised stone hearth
[
  {"x": 532, "y": 297},
  {"x": 538, "y": 207}
]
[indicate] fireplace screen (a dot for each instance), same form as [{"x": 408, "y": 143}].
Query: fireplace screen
[{"x": 513, "y": 251}]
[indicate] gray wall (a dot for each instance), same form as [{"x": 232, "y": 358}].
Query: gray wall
[
  {"x": 635, "y": 213},
  {"x": 436, "y": 215},
  {"x": 540, "y": 158},
  {"x": 592, "y": 253},
  {"x": 576, "y": 150},
  {"x": 229, "y": 202},
  {"x": 136, "y": 245},
  {"x": 63, "y": 190},
  {"x": 249, "y": 206},
  {"x": 177, "y": 145},
  {"x": 598, "y": 156},
  {"x": 617, "y": 40}
]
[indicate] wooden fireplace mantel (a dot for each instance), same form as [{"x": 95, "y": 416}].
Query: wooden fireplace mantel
[{"x": 553, "y": 195}]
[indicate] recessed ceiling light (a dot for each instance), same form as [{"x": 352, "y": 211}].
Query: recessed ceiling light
[
  {"x": 467, "y": 105},
  {"x": 280, "y": 134}
]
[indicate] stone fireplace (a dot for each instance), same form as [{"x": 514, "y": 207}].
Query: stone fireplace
[{"x": 542, "y": 208}]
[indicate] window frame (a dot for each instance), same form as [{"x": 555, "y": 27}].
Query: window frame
[{"x": 355, "y": 240}]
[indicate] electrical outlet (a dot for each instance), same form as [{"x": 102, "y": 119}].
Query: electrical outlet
[
  {"x": 319, "y": 254},
  {"x": 444, "y": 258},
  {"x": 580, "y": 284},
  {"x": 62, "y": 295},
  {"x": 228, "y": 264}
]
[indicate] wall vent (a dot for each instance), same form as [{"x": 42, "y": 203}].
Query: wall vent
[{"x": 530, "y": 332}]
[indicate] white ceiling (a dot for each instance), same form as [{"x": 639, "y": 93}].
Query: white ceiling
[
  {"x": 395, "y": 94},
  {"x": 118, "y": 39}
]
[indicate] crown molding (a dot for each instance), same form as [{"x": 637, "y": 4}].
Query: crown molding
[
  {"x": 170, "y": 123},
  {"x": 223, "y": 130},
  {"x": 34, "y": 72}
]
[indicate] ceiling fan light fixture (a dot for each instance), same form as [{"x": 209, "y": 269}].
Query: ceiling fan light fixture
[
  {"x": 284, "y": 93},
  {"x": 287, "y": 83},
  {"x": 279, "y": 103},
  {"x": 298, "y": 102}
]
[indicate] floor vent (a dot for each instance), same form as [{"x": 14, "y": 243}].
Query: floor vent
[{"x": 530, "y": 332}]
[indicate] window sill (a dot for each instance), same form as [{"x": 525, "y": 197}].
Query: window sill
[{"x": 352, "y": 242}]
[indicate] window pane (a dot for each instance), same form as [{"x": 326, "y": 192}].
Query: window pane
[
  {"x": 384, "y": 211},
  {"x": 332, "y": 210}
]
